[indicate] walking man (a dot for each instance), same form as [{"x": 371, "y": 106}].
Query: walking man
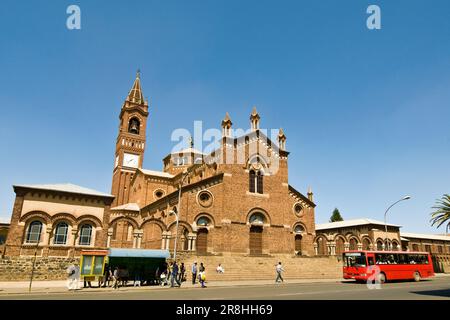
[
  {"x": 175, "y": 275},
  {"x": 194, "y": 272},
  {"x": 116, "y": 278},
  {"x": 279, "y": 269}
]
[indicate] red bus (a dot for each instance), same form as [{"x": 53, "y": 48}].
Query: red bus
[{"x": 393, "y": 265}]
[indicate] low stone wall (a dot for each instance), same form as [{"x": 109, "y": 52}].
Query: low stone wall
[{"x": 19, "y": 268}]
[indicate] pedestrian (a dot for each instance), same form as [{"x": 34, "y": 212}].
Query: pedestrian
[
  {"x": 220, "y": 269},
  {"x": 104, "y": 279},
  {"x": 73, "y": 277},
  {"x": 279, "y": 270},
  {"x": 202, "y": 275},
  {"x": 137, "y": 278},
  {"x": 115, "y": 284},
  {"x": 174, "y": 277},
  {"x": 182, "y": 277},
  {"x": 163, "y": 278},
  {"x": 194, "y": 272},
  {"x": 88, "y": 282}
]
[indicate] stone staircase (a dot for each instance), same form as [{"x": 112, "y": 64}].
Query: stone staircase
[{"x": 241, "y": 267}]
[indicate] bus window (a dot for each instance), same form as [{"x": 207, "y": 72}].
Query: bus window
[
  {"x": 371, "y": 261},
  {"x": 354, "y": 259},
  {"x": 392, "y": 259},
  {"x": 381, "y": 258},
  {"x": 403, "y": 258}
]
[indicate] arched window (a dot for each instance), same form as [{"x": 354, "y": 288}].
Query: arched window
[
  {"x": 259, "y": 182},
  {"x": 353, "y": 244},
  {"x": 61, "y": 233},
  {"x": 34, "y": 232},
  {"x": 366, "y": 244},
  {"x": 257, "y": 218},
  {"x": 394, "y": 246},
  {"x": 256, "y": 182},
  {"x": 321, "y": 246},
  {"x": 252, "y": 181},
  {"x": 340, "y": 247},
  {"x": 299, "y": 229},
  {"x": 85, "y": 235},
  {"x": 379, "y": 245},
  {"x": 203, "y": 221},
  {"x": 133, "y": 126}
]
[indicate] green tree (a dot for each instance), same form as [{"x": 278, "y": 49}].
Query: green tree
[
  {"x": 336, "y": 216},
  {"x": 441, "y": 214}
]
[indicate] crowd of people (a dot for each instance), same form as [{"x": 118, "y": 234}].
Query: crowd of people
[
  {"x": 171, "y": 274},
  {"x": 167, "y": 274}
]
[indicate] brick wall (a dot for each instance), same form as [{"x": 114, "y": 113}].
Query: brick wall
[{"x": 19, "y": 268}]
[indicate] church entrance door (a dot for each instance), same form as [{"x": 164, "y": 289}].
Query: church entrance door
[
  {"x": 256, "y": 240},
  {"x": 202, "y": 241}
]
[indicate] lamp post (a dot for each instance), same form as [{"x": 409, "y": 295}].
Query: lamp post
[
  {"x": 385, "y": 224},
  {"x": 34, "y": 261},
  {"x": 176, "y": 212}
]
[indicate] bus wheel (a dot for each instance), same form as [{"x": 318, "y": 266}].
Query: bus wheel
[
  {"x": 416, "y": 276},
  {"x": 382, "y": 278}
]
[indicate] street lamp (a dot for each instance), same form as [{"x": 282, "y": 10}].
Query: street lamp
[
  {"x": 176, "y": 212},
  {"x": 385, "y": 225}
]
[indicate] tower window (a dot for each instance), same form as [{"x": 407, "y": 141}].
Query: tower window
[{"x": 133, "y": 126}]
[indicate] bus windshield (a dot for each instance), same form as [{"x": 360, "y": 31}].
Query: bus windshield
[{"x": 355, "y": 259}]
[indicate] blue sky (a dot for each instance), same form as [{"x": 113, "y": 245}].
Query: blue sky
[{"x": 366, "y": 113}]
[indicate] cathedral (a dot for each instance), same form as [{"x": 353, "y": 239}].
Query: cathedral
[{"x": 236, "y": 199}]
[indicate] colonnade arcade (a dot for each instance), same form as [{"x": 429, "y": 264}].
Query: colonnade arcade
[{"x": 336, "y": 244}]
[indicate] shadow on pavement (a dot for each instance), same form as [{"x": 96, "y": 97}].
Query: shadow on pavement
[{"x": 436, "y": 293}]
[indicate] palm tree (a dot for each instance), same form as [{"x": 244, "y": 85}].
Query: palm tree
[{"x": 442, "y": 213}]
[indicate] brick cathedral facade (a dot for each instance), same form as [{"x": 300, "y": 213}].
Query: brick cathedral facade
[{"x": 236, "y": 199}]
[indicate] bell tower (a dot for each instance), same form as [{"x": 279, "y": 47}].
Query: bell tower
[{"x": 130, "y": 143}]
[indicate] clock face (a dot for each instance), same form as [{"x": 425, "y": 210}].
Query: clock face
[{"x": 130, "y": 160}]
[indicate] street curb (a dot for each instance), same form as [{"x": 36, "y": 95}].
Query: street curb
[{"x": 150, "y": 288}]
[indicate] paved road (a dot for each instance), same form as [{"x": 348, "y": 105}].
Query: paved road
[{"x": 437, "y": 288}]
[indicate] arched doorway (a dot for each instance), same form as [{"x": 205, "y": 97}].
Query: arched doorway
[
  {"x": 202, "y": 241},
  {"x": 298, "y": 230},
  {"x": 152, "y": 237},
  {"x": 256, "y": 240},
  {"x": 298, "y": 244}
]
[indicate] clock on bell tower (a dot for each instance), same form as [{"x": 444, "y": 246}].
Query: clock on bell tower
[{"x": 130, "y": 143}]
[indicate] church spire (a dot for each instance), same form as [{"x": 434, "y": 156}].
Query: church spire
[
  {"x": 254, "y": 119},
  {"x": 282, "y": 139},
  {"x": 226, "y": 125},
  {"x": 135, "y": 95}
]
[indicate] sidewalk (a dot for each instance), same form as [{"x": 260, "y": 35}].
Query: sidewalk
[{"x": 21, "y": 287}]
